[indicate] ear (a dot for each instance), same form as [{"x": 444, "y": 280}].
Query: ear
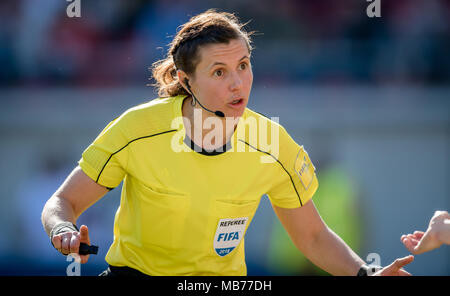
[{"x": 182, "y": 77}]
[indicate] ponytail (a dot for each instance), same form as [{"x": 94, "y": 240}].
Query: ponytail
[{"x": 165, "y": 74}]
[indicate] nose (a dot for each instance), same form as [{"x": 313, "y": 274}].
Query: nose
[{"x": 236, "y": 82}]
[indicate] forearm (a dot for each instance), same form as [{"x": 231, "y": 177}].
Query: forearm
[
  {"x": 55, "y": 211},
  {"x": 330, "y": 253}
]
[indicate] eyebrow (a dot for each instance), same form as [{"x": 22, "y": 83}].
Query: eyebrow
[{"x": 219, "y": 63}]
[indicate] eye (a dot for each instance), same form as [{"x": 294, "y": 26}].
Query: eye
[
  {"x": 243, "y": 66},
  {"x": 218, "y": 73}
]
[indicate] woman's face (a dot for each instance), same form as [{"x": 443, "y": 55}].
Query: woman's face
[{"x": 223, "y": 78}]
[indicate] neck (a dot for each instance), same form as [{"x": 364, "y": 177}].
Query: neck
[{"x": 206, "y": 129}]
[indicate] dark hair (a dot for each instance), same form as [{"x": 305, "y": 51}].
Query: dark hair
[{"x": 209, "y": 27}]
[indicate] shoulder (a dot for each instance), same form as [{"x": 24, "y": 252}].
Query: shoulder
[
  {"x": 261, "y": 118},
  {"x": 264, "y": 124},
  {"x": 151, "y": 117},
  {"x": 156, "y": 110},
  {"x": 267, "y": 135}
]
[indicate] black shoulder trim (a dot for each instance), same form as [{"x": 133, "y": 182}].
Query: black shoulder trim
[
  {"x": 96, "y": 181},
  {"x": 290, "y": 177}
]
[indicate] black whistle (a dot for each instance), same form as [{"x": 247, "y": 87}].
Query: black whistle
[{"x": 86, "y": 249}]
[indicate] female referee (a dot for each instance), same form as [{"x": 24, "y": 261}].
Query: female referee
[{"x": 188, "y": 197}]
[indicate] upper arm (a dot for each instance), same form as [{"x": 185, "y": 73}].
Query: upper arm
[
  {"x": 302, "y": 224},
  {"x": 80, "y": 191},
  {"x": 294, "y": 181}
]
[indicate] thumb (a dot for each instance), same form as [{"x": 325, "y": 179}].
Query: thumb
[
  {"x": 423, "y": 244},
  {"x": 84, "y": 235}
]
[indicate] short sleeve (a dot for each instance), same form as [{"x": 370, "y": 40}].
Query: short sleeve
[
  {"x": 294, "y": 180},
  {"x": 105, "y": 160}
]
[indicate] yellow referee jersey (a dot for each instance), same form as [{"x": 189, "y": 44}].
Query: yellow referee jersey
[{"x": 184, "y": 211}]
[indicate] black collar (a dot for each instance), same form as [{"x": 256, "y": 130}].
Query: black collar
[{"x": 188, "y": 141}]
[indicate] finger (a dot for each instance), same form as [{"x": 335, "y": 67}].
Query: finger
[
  {"x": 400, "y": 262},
  {"x": 84, "y": 258},
  {"x": 418, "y": 234},
  {"x": 403, "y": 237},
  {"x": 74, "y": 242},
  {"x": 414, "y": 241},
  {"x": 403, "y": 272},
  {"x": 408, "y": 244},
  {"x": 65, "y": 243},
  {"x": 410, "y": 239},
  {"x": 84, "y": 235},
  {"x": 84, "y": 238},
  {"x": 56, "y": 240},
  {"x": 423, "y": 244}
]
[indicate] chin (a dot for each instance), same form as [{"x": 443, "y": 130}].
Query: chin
[{"x": 235, "y": 113}]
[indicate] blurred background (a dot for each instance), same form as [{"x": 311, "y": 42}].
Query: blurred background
[{"x": 367, "y": 97}]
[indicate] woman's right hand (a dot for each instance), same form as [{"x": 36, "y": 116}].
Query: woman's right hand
[
  {"x": 69, "y": 242},
  {"x": 73, "y": 197}
]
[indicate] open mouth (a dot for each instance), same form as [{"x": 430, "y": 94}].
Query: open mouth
[{"x": 237, "y": 102}]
